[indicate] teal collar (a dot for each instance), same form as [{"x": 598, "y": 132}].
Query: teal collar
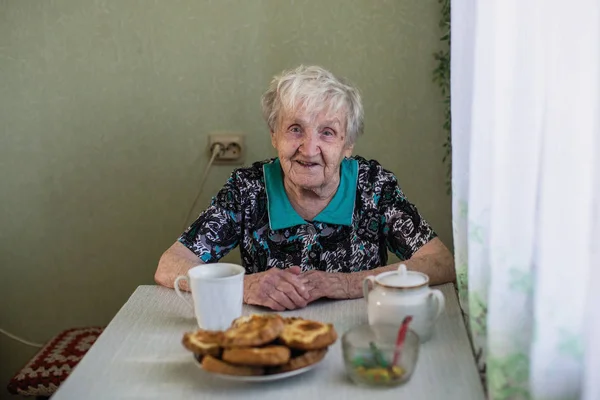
[{"x": 338, "y": 212}]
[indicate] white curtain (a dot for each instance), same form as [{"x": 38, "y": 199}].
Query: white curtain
[{"x": 526, "y": 190}]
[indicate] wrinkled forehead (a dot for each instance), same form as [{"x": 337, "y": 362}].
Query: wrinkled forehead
[{"x": 315, "y": 114}]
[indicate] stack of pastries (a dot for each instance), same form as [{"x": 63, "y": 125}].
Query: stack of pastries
[{"x": 261, "y": 344}]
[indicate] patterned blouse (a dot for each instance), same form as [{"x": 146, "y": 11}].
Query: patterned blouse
[{"x": 368, "y": 215}]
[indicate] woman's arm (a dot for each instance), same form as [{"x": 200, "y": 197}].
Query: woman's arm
[
  {"x": 177, "y": 260},
  {"x": 274, "y": 288},
  {"x": 215, "y": 232},
  {"x": 433, "y": 259}
]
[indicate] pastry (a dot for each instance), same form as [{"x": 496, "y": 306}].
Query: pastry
[
  {"x": 261, "y": 344},
  {"x": 257, "y": 356},
  {"x": 255, "y": 330},
  {"x": 203, "y": 342},
  {"x": 303, "y": 334},
  {"x": 212, "y": 364},
  {"x": 301, "y": 361}
]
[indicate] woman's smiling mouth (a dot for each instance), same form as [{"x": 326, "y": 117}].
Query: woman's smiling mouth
[{"x": 306, "y": 164}]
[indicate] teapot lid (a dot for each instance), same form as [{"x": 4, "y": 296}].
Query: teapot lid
[{"x": 403, "y": 278}]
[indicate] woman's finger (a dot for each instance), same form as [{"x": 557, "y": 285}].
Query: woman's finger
[
  {"x": 273, "y": 305},
  {"x": 296, "y": 270},
  {"x": 292, "y": 294},
  {"x": 281, "y": 299},
  {"x": 296, "y": 282}
]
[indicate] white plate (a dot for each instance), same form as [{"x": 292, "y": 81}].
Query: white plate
[{"x": 261, "y": 378}]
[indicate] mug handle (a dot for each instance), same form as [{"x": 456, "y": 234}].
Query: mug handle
[
  {"x": 365, "y": 286},
  {"x": 178, "y": 291},
  {"x": 441, "y": 302}
]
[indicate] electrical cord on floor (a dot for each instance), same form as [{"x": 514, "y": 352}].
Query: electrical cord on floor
[
  {"x": 18, "y": 339},
  {"x": 215, "y": 150}
]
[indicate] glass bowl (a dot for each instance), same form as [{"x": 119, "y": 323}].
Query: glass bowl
[{"x": 369, "y": 351}]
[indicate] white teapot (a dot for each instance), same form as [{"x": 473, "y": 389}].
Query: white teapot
[{"x": 396, "y": 294}]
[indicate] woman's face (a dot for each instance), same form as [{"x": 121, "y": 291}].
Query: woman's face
[{"x": 311, "y": 148}]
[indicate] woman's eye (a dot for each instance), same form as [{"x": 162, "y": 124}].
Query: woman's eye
[
  {"x": 328, "y": 132},
  {"x": 295, "y": 129}
]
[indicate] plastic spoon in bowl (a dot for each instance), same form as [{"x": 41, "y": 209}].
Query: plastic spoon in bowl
[{"x": 400, "y": 339}]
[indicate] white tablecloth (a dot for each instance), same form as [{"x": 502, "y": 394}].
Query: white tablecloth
[{"x": 140, "y": 356}]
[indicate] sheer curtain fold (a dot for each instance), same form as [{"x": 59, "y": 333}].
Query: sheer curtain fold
[{"x": 525, "y": 105}]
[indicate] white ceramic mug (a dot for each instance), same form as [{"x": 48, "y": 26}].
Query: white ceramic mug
[{"x": 217, "y": 293}]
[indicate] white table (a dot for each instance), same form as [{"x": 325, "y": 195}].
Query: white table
[{"x": 140, "y": 355}]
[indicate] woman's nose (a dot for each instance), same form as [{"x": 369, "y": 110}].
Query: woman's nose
[{"x": 310, "y": 145}]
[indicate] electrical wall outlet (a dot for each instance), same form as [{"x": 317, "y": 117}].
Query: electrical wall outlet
[{"x": 232, "y": 149}]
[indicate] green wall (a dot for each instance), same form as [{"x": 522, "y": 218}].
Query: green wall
[{"x": 104, "y": 111}]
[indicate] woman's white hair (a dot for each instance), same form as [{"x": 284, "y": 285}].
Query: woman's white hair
[{"x": 314, "y": 89}]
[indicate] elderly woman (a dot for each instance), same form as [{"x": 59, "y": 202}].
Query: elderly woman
[{"x": 315, "y": 221}]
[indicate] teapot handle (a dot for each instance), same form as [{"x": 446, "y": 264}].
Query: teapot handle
[
  {"x": 365, "y": 286},
  {"x": 441, "y": 302}
]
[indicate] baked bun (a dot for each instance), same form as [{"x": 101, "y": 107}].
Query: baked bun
[
  {"x": 303, "y": 334},
  {"x": 252, "y": 331},
  {"x": 261, "y": 344},
  {"x": 203, "y": 342},
  {"x": 267, "y": 356},
  {"x": 212, "y": 364},
  {"x": 301, "y": 361}
]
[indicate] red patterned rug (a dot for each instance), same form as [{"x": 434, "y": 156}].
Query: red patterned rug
[{"x": 44, "y": 373}]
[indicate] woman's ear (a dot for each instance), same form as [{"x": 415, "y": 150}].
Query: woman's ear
[{"x": 273, "y": 140}]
